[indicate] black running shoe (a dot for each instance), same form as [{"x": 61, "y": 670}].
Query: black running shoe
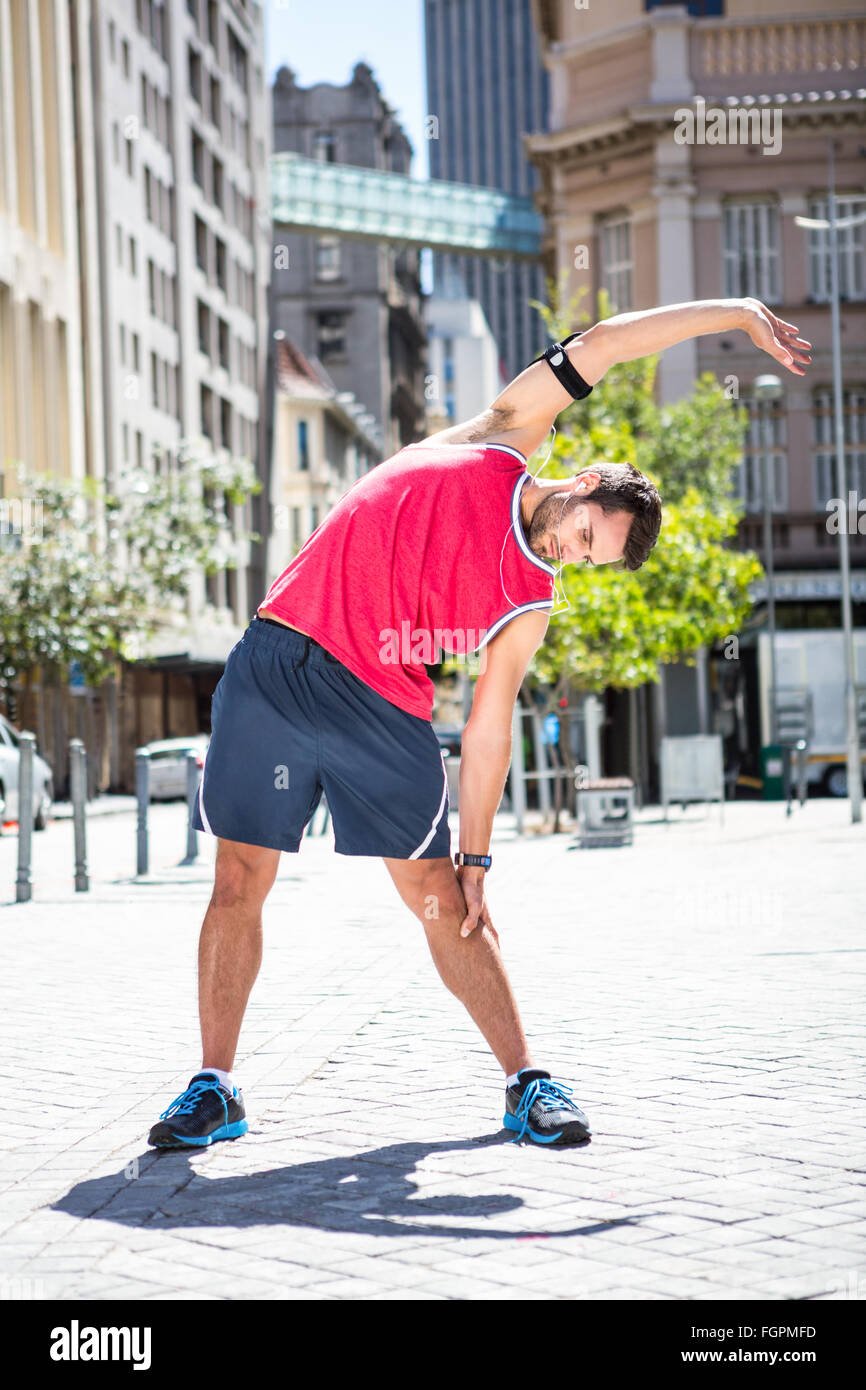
[
  {"x": 540, "y": 1108},
  {"x": 202, "y": 1113}
]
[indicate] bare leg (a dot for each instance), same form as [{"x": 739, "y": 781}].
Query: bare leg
[
  {"x": 230, "y": 946},
  {"x": 470, "y": 967}
]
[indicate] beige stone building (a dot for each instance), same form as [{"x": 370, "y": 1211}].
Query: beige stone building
[
  {"x": 683, "y": 142},
  {"x": 40, "y": 316}
]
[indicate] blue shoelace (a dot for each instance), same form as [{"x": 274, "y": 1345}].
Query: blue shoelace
[
  {"x": 185, "y": 1103},
  {"x": 549, "y": 1095}
]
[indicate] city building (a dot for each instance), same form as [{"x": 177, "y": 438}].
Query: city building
[
  {"x": 486, "y": 88},
  {"x": 683, "y": 141},
  {"x": 40, "y": 308},
  {"x": 354, "y": 305},
  {"x": 322, "y": 446},
  {"x": 180, "y": 149},
  {"x": 464, "y": 373},
  {"x": 134, "y": 262}
]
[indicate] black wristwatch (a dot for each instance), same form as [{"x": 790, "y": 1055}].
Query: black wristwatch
[{"x": 473, "y": 861}]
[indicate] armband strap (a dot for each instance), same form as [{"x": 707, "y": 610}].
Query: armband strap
[{"x": 557, "y": 359}]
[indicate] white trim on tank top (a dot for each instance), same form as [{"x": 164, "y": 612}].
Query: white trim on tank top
[{"x": 448, "y": 444}]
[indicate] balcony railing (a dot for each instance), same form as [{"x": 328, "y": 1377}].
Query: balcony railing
[{"x": 817, "y": 47}]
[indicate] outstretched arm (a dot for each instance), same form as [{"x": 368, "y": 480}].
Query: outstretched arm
[{"x": 523, "y": 413}]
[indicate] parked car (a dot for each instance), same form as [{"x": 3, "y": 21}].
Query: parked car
[
  {"x": 168, "y": 764},
  {"x": 43, "y": 785},
  {"x": 450, "y": 738}
]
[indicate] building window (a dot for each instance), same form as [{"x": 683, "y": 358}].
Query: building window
[
  {"x": 325, "y": 147},
  {"x": 119, "y": 243},
  {"x": 328, "y": 258},
  {"x": 130, "y": 167},
  {"x": 224, "y": 344},
  {"x": 296, "y": 528},
  {"x": 124, "y": 57},
  {"x": 193, "y": 67},
  {"x": 303, "y": 445},
  {"x": 237, "y": 60},
  {"x": 751, "y": 251},
  {"x": 198, "y": 160},
  {"x": 226, "y": 424},
  {"x": 616, "y": 262},
  {"x": 766, "y": 434},
  {"x": 115, "y": 142},
  {"x": 154, "y": 380},
  {"x": 213, "y": 24},
  {"x": 824, "y": 439},
  {"x": 201, "y": 244},
  {"x": 215, "y": 103},
  {"x": 133, "y": 262},
  {"x": 314, "y": 517},
  {"x": 136, "y": 353},
  {"x": 111, "y": 46},
  {"x": 218, "y": 183},
  {"x": 206, "y": 404},
  {"x": 850, "y": 242},
  {"x": 331, "y": 334},
  {"x": 123, "y": 344},
  {"x": 203, "y": 315},
  {"x": 221, "y": 264}
]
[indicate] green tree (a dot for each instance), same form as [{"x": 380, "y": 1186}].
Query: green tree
[{"x": 96, "y": 577}]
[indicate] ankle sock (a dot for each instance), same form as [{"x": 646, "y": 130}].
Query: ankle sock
[
  {"x": 225, "y": 1078},
  {"x": 534, "y": 1072}
]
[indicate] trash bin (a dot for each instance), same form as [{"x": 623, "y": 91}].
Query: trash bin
[{"x": 772, "y": 773}]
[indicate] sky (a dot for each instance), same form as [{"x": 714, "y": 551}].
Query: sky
[{"x": 322, "y": 42}]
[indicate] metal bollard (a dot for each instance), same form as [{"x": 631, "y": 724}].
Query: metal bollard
[
  {"x": 78, "y": 797},
  {"x": 23, "y": 882},
  {"x": 142, "y": 791},
  {"x": 193, "y": 776}
]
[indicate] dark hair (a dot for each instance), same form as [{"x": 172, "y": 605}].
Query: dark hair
[{"x": 623, "y": 488}]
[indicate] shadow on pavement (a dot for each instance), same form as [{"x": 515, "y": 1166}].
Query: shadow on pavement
[{"x": 370, "y": 1192}]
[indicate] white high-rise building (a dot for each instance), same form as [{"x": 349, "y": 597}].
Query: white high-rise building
[{"x": 177, "y": 160}]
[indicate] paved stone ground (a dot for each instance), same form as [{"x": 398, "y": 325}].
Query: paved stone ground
[{"x": 702, "y": 991}]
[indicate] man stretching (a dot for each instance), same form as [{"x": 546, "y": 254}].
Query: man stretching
[{"x": 451, "y": 536}]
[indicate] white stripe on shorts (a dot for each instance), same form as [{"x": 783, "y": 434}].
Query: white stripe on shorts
[
  {"x": 432, "y": 831},
  {"x": 202, "y": 811}
]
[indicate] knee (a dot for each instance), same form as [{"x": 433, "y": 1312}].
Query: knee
[
  {"x": 243, "y": 876},
  {"x": 434, "y": 894}
]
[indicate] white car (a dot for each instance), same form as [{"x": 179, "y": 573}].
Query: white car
[
  {"x": 43, "y": 787},
  {"x": 168, "y": 764}
]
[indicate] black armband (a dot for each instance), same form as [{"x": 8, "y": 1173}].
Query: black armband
[{"x": 557, "y": 360}]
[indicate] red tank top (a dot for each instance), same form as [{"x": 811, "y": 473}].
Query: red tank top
[{"x": 424, "y": 554}]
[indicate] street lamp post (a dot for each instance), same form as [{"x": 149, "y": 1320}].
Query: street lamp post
[
  {"x": 832, "y": 224},
  {"x": 769, "y": 389}
]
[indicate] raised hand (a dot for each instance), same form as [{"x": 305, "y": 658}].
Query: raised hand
[{"x": 780, "y": 339}]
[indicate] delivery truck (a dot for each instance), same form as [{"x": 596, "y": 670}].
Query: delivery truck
[{"x": 813, "y": 664}]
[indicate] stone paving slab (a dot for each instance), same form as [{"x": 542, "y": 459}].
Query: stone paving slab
[{"x": 701, "y": 990}]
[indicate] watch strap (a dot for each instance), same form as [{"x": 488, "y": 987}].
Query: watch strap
[{"x": 473, "y": 861}]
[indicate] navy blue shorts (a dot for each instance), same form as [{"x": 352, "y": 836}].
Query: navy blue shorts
[{"x": 290, "y": 721}]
